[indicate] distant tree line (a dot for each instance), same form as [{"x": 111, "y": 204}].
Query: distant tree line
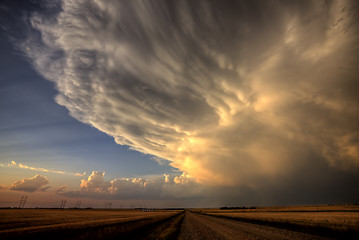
[{"x": 228, "y": 208}]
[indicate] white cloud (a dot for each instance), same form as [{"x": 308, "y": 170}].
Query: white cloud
[
  {"x": 167, "y": 187},
  {"x": 232, "y": 95},
  {"x": 61, "y": 188},
  {"x": 95, "y": 182},
  {"x": 20, "y": 165},
  {"x": 30, "y": 184},
  {"x": 182, "y": 179}
]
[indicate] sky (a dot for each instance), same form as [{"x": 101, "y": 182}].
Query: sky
[{"x": 179, "y": 103}]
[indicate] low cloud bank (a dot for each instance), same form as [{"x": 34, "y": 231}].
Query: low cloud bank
[{"x": 166, "y": 187}]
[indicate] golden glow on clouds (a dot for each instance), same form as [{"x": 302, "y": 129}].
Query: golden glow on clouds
[
  {"x": 133, "y": 188},
  {"x": 20, "y": 165},
  {"x": 30, "y": 184},
  {"x": 229, "y": 100}
]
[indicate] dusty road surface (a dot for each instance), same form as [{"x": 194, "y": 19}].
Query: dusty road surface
[{"x": 197, "y": 226}]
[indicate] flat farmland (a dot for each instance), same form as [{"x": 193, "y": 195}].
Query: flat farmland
[
  {"x": 81, "y": 224},
  {"x": 312, "y": 222},
  {"x": 333, "y": 220}
]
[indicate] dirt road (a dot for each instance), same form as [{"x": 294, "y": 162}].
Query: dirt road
[{"x": 197, "y": 226}]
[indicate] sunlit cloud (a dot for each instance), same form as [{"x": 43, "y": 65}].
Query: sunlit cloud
[
  {"x": 30, "y": 184},
  {"x": 231, "y": 94},
  {"x": 61, "y": 188},
  {"x": 20, "y": 165},
  {"x": 162, "y": 187}
]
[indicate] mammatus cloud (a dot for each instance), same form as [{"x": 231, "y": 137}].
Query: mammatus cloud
[
  {"x": 30, "y": 184},
  {"x": 166, "y": 187},
  {"x": 237, "y": 93},
  {"x": 20, "y": 165}
]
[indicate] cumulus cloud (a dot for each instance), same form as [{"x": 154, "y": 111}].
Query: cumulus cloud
[
  {"x": 239, "y": 93},
  {"x": 30, "y": 184},
  {"x": 61, "y": 188},
  {"x": 165, "y": 187}
]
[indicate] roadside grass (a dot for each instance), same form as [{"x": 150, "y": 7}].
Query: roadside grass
[
  {"x": 74, "y": 224},
  {"x": 164, "y": 230},
  {"x": 340, "y": 221},
  {"x": 22, "y": 218}
]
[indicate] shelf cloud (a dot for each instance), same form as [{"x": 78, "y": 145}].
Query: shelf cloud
[{"x": 241, "y": 93}]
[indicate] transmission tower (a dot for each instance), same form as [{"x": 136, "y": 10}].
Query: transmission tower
[
  {"x": 22, "y": 202},
  {"x": 22, "y": 199},
  {"x": 63, "y": 203},
  {"x": 108, "y": 205},
  {"x": 78, "y": 204}
]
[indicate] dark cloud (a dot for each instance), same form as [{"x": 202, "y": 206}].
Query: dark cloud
[{"x": 243, "y": 93}]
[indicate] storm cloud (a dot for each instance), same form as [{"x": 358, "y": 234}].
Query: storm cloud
[{"x": 233, "y": 93}]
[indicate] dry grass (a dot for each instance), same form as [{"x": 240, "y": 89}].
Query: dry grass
[
  {"x": 335, "y": 217},
  {"x": 169, "y": 230},
  {"x": 30, "y": 221}
]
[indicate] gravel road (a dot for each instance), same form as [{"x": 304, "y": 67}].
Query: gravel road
[{"x": 196, "y": 226}]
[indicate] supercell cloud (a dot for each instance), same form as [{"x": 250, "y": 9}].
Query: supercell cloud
[{"x": 235, "y": 93}]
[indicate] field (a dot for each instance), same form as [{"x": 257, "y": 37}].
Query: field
[
  {"x": 310, "y": 222},
  {"x": 332, "y": 219},
  {"x": 77, "y": 224}
]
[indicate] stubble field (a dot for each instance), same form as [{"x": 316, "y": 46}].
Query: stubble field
[
  {"x": 324, "y": 220},
  {"x": 79, "y": 224},
  {"x": 310, "y": 222}
]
